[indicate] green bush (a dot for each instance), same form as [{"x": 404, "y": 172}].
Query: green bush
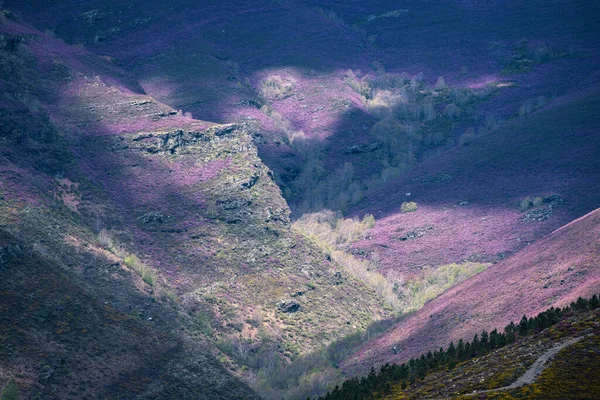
[
  {"x": 368, "y": 221},
  {"x": 276, "y": 88},
  {"x": 133, "y": 262},
  {"x": 202, "y": 320},
  {"x": 10, "y": 391},
  {"x": 408, "y": 206},
  {"x": 531, "y": 202}
]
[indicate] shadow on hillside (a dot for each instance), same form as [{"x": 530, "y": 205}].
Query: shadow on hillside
[{"x": 267, "y": 35}]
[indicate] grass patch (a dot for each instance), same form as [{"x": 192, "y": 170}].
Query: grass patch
[{"x": 144, "y": 271}]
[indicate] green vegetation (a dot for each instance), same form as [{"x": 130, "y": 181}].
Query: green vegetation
[
  {"x": 203, "y": 321},
  {"x": 528, "y": 203},
  {"x": 573, "y": 374},
  {"x": 414, "y": 293},
  {"x": 130, "y": 260},
  {"x": 408, "y": 206},
  {"x": 276, "y": 88},
  {"x": 145, "y": 272},
  {"x": 334, "y": 233},
  {"x": 10, "y": 391},
  {"x": 526, "y": 54},
  {"x": 413, "y": 120},
  {"x": 530, "y": 105},
  {"x": 531, "y": 202},
  {"x": 394, "y": 380},
  {"x": 314, "y": 373}
]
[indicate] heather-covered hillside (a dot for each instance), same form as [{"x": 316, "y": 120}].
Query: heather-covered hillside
[
  {"x": 258, "y": 199},
  {"x": 327, "y": 84},
  {"x": 123, "y": 193},
  {"x": 549, "y": 273},
  {"x": 485, "y": 200}
]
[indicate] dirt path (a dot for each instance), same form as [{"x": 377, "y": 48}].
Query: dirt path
[{"x": 536, "y": 369}]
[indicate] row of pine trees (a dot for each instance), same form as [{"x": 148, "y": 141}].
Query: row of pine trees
[{"x": 417, "y": 368}]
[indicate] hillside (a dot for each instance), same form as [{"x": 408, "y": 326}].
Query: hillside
[
  {"x": 239, "y": 200},
  {"x": 550, "y": 272},
  {"x": 72, "y": 337},
  {"x": 548, "y": 356},
  {"x": 475, "y": 202},
  {"x": 319, "y": 80},
  {"x": 125, "y": 196}
]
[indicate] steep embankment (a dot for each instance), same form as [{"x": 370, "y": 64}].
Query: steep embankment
[
  {"x": 173, "y": 223},
  {"x": 552, "y": 272}
]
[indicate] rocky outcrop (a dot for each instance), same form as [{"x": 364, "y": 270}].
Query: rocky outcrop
[
  {"x": 289, "y": 306},
  {"x": 364, "y": 148},
  {"x": 10, "y": 42},
  {"x": 152, "y": 218}
]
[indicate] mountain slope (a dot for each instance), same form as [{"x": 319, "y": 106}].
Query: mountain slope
[
  {"x": 179, "y": 224},
  {"x": 214, "y": 59},
  {"x": 551, "y": 355},
  {"x": 63, "y": 336},
  {"x": 471, "y": 199},
  {"x": 174, "y": 223},
  {"x": 551, "y": 272}
]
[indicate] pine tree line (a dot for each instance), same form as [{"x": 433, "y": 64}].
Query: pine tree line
[{"x": 418, "y": 368}]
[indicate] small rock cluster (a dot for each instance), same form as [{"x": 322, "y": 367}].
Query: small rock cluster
[
  {"x": 289, "y": 306},
  {"x": 417, "y": 233}
]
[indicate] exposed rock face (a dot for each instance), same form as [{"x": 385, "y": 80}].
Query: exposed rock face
[
  {"x": 10, "y": 42},
  {"x": 364, "y": 148},
  {"x": 539, "y": 214},
  {"x": 153, "y": 218},
  {"x": 171, "y": 141},
  {"x": 417, "y": 233},
  {"x": 289, "y": 306},
  {"x": 251, "y": 182}
]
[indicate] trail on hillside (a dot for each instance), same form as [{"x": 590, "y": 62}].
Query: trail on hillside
[{"x": 537, "y": 368}]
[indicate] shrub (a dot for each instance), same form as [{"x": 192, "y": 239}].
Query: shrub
[
  {"x": 526, "y": 108},
  {"x": 360, "y": 86},
  {"x": 10, "y": 391},
  {"x": 368, "y": 221},
  {"x": 408, "y": 206},
  {"x": 531, "y": 105},
  {"x": 384, "y": 100},
  {"x": 202, "y": 321},
  {"x": 105, "y": 239},
  {"x": 531, "y": 202},
  {"x": 276, "y": 88},
  {"x": 452, "y": 111},
  {"x": 440, "y": 84},
  {"x": 467, "y": 137},
  {"x": 133, "y": 262},
  {"x": 147, "y": 275}
]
